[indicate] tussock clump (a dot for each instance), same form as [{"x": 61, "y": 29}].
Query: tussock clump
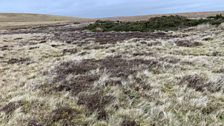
[
  {"x": 220, "y": 70},
  {"x": 117, "y": 66},
  {"x": 76, "y": 77},
  {"x": 128, "y": 122},
  {"x": 113, "y": 38},
  {"x": 208, "y": 39},
  {"x": 73, "y": 67},
  {"x": 154, "y": 44},
  {"x": 170, "y": 59},
  {"x": 64, "y": 116},
  {"x": 18, "y": 38},
  {"x": 11, "y": 107},
  {"x": 196, "y": 82},
  {"x": 95, "y": 102},
  {"x": 77, "y": 84},
  {"x": 18, "y": 61},
  {"x": 187, "y": 43},
  {"x": 70, "y": 51},
  {"x": 201, "y": 83},
  {"x": 34, "y": 123},
  {"x": 5, "y": 47},
  {"x": 203, "y": 27}
]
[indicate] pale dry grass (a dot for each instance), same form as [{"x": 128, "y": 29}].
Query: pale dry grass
[
  {"x": 137, "y": 81},
  {"x": 15, "y": 20}
]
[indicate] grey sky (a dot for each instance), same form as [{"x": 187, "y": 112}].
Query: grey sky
[{"x": 108, "y": 8}]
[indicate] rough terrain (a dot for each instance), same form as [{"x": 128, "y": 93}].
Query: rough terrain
[{"x": 61, "y": 75}]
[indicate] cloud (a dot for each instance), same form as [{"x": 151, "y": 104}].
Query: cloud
[{"x": 108, "y": 8}]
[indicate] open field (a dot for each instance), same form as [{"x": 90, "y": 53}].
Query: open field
[
  {"x": 63, "y": 75},
  {"x": 10, "y": 20}
]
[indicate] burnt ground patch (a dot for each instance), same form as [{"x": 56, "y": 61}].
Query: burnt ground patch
[
  {"x": 79, "y": 78},
  {"x": 76, "y": 76},
  {"x": 106, "y": 37},
  {"x": 73, "y": 67}
]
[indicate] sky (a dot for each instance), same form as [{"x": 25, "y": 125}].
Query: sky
[{"x": 108, "y": 8}]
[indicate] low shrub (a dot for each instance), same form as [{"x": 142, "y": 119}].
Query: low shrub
[{"x": 163, "y": 23}]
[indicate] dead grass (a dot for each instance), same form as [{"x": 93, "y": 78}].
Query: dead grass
[
  {"x": 21, "y": 20},
  {"x": 62, "y": 75}
]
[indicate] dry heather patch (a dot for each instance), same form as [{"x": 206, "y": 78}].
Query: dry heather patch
[
  {"x": 107, "y": 38},
  {"x": 202, "y": 83},
  {"x": 77, "y": 77},
  {"x": 186, "y": 43}
]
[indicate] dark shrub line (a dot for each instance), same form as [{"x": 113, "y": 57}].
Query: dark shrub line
[{"x": 163, "y": 23}]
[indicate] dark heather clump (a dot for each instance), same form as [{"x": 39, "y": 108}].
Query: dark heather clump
[
  {"x": 70, "y": 51},
  {"x": 63, "y": 115},
  {"x": 11, "y": 107},
  {"x": 81, "y": 78},
  {"x": 106, "y": 37},
  {"x": 77, "y": 84},
  {"x": 33, "y": 123},
  {"x": 170, "y": 59},
  {"x": 71, "y": 67},
  {"x": 162, "y": 23},
  {"x": 200, "y": 83},
  {"x": 3, "y": 48},
  {"x": 187, "y": 43},
  {"x": 194, "y": 81},
  {"x": 128, "y": 122},
  {"x": 95, "y": 102},
  {"x": 18, "y": 61}
]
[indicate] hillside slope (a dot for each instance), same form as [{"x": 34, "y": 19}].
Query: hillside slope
[
  {"x": 146, "y": 17},
  {"x": 23, "y": 19}
]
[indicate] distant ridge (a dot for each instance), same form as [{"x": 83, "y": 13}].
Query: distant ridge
[
  {"x": 11, "y": 20},
  {"x": 27, "y": 17},
  {"x": 146, "y": 17}
]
